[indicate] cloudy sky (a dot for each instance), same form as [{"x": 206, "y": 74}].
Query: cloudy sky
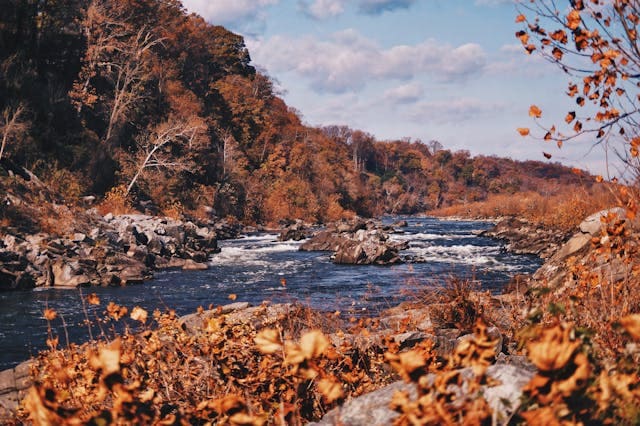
[{"x": 449, "y": 70}]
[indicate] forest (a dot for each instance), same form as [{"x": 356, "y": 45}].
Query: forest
[{"x": 138, "y": 102}]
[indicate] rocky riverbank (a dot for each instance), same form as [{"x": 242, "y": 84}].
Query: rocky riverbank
[
  {"x": 45, "y": 243},
  {"x": 523, "y": 237}
]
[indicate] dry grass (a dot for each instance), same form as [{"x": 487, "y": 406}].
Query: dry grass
[{"x": 563, "y": 211}]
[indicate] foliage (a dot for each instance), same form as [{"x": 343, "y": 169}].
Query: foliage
[
  {"x": 596, "y": 44},
  {"x": 224, "y": 372},
  {"x": 142, "y": 94}
]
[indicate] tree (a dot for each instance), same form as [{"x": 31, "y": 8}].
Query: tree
[
  {"x": 116, "y": 65},
  {"x": 160, "y": 148},
  {"x": 12, "y": 125},
  {"x": 596, "y": 44}
]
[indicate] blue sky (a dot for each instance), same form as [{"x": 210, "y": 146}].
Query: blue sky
[{"x": 449, "y": 70}]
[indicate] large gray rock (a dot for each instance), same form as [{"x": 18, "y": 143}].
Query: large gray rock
[
  {"x": 373, "y": 409},
  {"x": 362, "y": 247},
  {"x": 578, "y": 248},
  {"x": 69, "y": 273}
]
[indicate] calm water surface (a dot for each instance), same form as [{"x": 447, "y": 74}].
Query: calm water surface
[{"x": 253, "y": 268}]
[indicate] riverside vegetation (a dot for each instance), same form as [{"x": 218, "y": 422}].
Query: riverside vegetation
[{"x": 152, "y": 110}]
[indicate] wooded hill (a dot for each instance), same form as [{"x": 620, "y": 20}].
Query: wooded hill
[{"x": 140, "y": 99}]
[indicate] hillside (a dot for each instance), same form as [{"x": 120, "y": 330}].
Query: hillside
[{"x": 141, "y": 99}]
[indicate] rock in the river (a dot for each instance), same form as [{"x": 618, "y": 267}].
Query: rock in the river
[
  {"x": 360, "y": 243},
  {"x": 364, "y": 247},
  {"x": 296, "y": 232}
]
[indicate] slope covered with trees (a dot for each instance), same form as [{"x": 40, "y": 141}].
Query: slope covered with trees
[{"x": 139, "y": 99}]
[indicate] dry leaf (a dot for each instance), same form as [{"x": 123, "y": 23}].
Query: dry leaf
[
  {"x": 268, "y": 341},
  {"x": 631, "y": 324},
  {"x": 93, "y": 299},
  {"x": 523, "y": 131},
  {"x": 535, "y": 112},
  {"x": 49, "y": 314},
  {"x": 330, "y": 390},
  {"x": 139, "y": 314}
]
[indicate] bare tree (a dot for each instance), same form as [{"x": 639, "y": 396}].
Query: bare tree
[
  {"x": 157, "y": 148},
  {"x": 119, "y": 54},
  {"x": 12, "y": 125}
]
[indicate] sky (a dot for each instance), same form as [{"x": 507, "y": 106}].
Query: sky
[{"x": 445, "y": 70}]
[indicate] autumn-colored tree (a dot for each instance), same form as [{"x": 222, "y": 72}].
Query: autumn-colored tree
[
  {"x": 596, "y": 44},
  {"x": 158, "y": 147},
  {"x": 116, "y": 65},
  {"x": 11, "y": 125}
]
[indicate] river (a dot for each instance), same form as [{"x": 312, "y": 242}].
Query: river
[{"x": 256, "y": 268}]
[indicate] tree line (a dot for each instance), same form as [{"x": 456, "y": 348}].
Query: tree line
[{"x": 142, "y": 97}]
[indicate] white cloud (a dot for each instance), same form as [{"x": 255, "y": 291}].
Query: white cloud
[
  {"x": 375, "y": 7},
  {"x": 221, "y": 12},
  {"x": 405, "y": 94},
  {"x": 495, "y": 2},
  {"x": 323, "y": 9},
  {"x": 348, "y": 60},
  {"x": 454, "y": 110}
]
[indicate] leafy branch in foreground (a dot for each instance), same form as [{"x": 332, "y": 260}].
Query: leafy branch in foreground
[{"x": 596, "y": 44}]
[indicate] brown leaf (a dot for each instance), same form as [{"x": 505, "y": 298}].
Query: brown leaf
[
  {"x": 631, "y": 324},
  {"x": 553, "y": 348},
  {"x": 573, "y": 19},
  {"x": 49, "y": 314},
  {"x": 570, "y": 117},
  {"x": 520, "y": 18},
  {"x": 139, "y": 314},
  {"x": 93, "y": 299},
  {"x": 330, "y": 390},
  {"x": 523, "y": 131},
  {"x": 535, "y": 112},
  {"x": 547, "y": 155},
  {"x": 314, "y": 343},
  {"x": 268, "y": 341}
]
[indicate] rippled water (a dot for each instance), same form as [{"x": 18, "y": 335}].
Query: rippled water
[{"x": 254, "y": 269}]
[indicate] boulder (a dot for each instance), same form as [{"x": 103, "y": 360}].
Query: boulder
[
  {"x": 578, "y": 250},
  {"x": 70, "y": 273},
  {"x": 191, "y": 265},
  {"x": 372, "y": 409}
]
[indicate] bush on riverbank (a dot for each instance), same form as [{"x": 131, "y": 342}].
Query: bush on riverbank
[{"x": 562, "y": 210}]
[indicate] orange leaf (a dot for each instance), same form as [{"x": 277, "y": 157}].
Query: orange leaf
[
  {"x": 232, "y": 296},
  {"x": 93, "y": 299},
  {"x": 570, "y": 117},
  {"x": 268, "y": 341},
  {"x": 139, "y": 314},
  {"x": 523, "y": 131},
  {"x": 573, "y": 19},
  {"x": 557, "y": 53},
  {"x": 50, "y": 314},
  {"x": 520, "y": 18},
  {"x": 631, "y": 324},
  {"x": 534, "y": 111},
  {"x": 330, "y": 390}
]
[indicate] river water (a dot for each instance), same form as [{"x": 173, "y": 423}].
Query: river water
[{"x": 256, "y": 268}]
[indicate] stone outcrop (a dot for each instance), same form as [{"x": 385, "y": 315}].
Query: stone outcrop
[
  {"x": 578, "y": 250},
  {"x": 526, "y": 238},
  {"x": 114, "y": 250},
  {"x": 13, "y": 386},
  {"x": 357, "y": 243},
  {"x": 373, "y": 409}
]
